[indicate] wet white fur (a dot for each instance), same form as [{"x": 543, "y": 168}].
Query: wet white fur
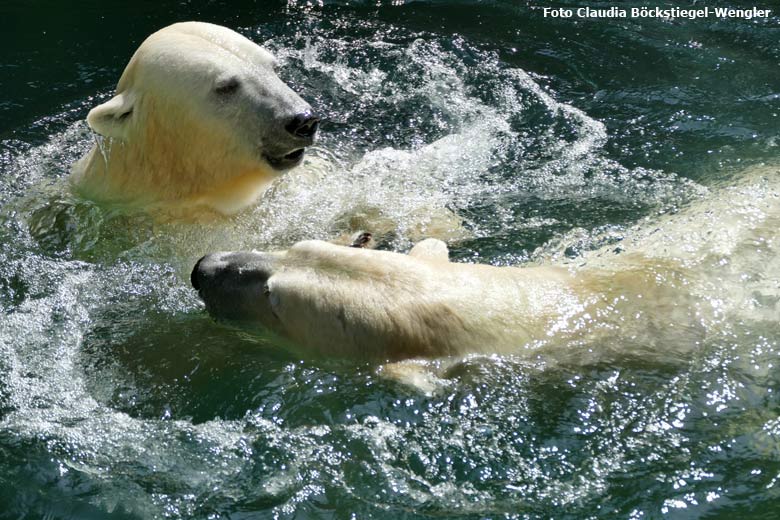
[
  {"x": 166, "y": 140},
  {"x": 675, "y": 280}
]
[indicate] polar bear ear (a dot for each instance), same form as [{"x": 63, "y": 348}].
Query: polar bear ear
[
  {"x": 112, "y": 118},
  {"x": 431, "y": 249}
]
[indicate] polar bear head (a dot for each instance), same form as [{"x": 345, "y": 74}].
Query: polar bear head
[
  {"x": 331, "y": 299},
  {"x": 199, "y": 116}
]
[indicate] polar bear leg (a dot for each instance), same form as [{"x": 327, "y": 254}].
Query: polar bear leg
[{"x": 418, "y": 374}]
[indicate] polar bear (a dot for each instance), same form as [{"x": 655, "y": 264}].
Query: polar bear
[
  {"x": 387, "y": 306},
  {"x": 199, "y": 118},
  {"x": 675, "y": 279},
  {"x": 382, "y": 305}
]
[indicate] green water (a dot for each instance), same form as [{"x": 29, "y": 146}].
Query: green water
[{"x": 120, "y": 398}]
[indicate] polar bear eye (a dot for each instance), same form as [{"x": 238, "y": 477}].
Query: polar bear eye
[
  {"x": 227, "y": 87},
  {"x": 273, "y": 300}
]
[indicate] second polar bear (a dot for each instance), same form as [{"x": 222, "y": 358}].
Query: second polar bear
[
  {"x": 673, "y": 281},
  {"x": 199, "y": 118},
  {"x": 349, "y": 302}
]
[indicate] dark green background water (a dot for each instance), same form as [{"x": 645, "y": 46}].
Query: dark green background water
[{"x": 120, "y": 398}]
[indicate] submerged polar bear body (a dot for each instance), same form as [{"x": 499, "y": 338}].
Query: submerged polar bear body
[
  {"x": 199, "y": 119},
  {"x": 674, "y": 281}
]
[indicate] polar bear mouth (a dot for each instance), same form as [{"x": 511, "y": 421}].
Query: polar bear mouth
[{"x": 287, "y": 161}]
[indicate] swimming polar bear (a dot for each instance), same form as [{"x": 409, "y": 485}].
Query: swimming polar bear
[
  {"x": 199, "y": 118},
  {"x": 675, "y": 279},
  {"x": 380, "y": 305}
]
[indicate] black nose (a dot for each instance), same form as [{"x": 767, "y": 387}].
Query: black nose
[
  {"x": 194, "y": 275},
  {"x": 303, "y": 125}
]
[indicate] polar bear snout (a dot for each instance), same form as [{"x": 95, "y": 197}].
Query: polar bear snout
[
  {"x": 288, "y": 152},
  {"x": 228, "y": 268},
  {"x": 233, "y": 284}
]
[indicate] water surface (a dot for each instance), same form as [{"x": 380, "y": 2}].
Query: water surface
[{"x": 120, "y": 398}]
